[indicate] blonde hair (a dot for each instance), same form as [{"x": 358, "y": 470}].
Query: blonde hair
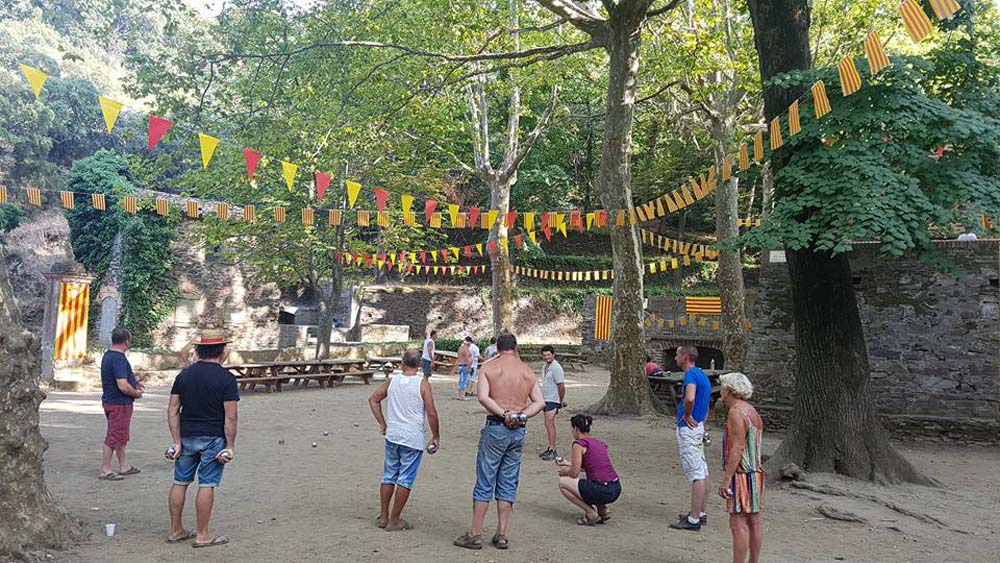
[{"x": 738, "y": 384}]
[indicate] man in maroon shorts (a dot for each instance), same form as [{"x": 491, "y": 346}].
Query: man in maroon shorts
[{"x": 120, "y": 390}]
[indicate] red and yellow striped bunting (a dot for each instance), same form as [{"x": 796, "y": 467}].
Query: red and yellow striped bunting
[
  {"x": 821, "y": 102},
  {"x": 67, "y": 199},
  {"x": 34, "y": 196},
  {"x": 850, "y": 80},
  {"x": 918, "y": 25},
  {"x": 877, "y": 60},
  {"x": 130, "y": 204}
]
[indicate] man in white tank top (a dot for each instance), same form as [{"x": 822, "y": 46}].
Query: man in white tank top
[{"x": 409, "y": 400}]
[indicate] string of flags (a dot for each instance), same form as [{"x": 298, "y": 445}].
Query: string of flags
[
  {"x": 651, "y": 268},
  {"x": 687, "y": 320},
  {"x": 698, "y": 251}
]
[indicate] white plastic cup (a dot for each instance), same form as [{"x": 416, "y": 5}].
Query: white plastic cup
[{"x": 109, "y": 529}]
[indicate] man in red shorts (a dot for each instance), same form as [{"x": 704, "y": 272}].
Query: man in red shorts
[{"x": 119, "y": 390}]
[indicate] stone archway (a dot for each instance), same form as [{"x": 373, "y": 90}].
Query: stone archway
[{"x": 662, "y": 349}]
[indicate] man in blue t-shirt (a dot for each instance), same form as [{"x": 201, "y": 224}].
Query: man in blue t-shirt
[
  {"x": 202, "y": 421},
  {"x": 691, "y": 415},
  {"x": 119, "y": 389}
]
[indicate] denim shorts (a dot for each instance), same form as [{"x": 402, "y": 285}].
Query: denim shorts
[
  {"x": 599, "y": 494},
  {"x": 463, "y": 376},
  {"x": 198, "y": 454},
  {"x": 498, "y": 463},
  {"x": 401, "y": 464},
  {"x": 428, "y": 366},
  {"x": 552, "y": 406}
]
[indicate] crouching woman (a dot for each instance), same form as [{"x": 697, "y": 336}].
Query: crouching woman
[{"x": 601, "y": 486}]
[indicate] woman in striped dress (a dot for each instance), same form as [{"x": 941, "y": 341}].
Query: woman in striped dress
[{"x": 743, "y": 481}]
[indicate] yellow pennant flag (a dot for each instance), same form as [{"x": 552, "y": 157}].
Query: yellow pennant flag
[
  {"x": 407, "y": 201},
  {"x": 504, "y": 242},
  {"x": 67, "y": 199},
  {"x": 820, "y": 101},
  {"x": 944, "y": 9},
  {"x": 850, "y": 80},
  {"x": 590, "y": 219},
  {"x": 744, "y": 157},
  {"x": 776, "y": 140},
  {"x": 208, "y": 144},
  {"x": 529, "y": 222},
  {"x": 162, "y": 207},
  {"x": 697, "y": 189},
  {"x": 192, "y": 210},
  {"x": 794, "y": 125},
  {"x": 727, "y": 168},
  {"x": 876, "y": 55},
  {"x": 758, "y": 147},
  {"x": 687, "y": 196},
  {"x": 36, "y": 78},
  {"x": 491, "y": 218},
  {"x": 353, "y": 189},
  {"x": 110, "y": 109},
  {"x": 918, "y": 25},
  {"x": 34, "y": 196},
  {"x": 98, "y": 201},
  {"x": 453, "y": 214},
  {"x": 479, "y": 248},
  {"x": 660, "y": 211},
  {"x": 454, "y": 250},
  {"x": 533, "y": 236},
  {"x": 288, "y": 170},
  {"x": 562, "y": 229}
]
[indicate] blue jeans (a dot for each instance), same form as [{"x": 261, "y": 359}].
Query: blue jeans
[
  {"x": 198, "y": 453},
  {"x": 498, "y": 463},
  {"x": 401, "y": 464},
  {"x": 463, "y": 376},
  {"x": 428, "y": 367}
]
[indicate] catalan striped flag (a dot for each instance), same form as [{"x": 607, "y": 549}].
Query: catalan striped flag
[
  {"x": 703, "y": 305},
  {"x": 794, "y": 125},
  {"x": 758, "y": 146},
  {"x": 131, "y": 204},
  {"x": 744, "y": 157},
  {"x": 602, "y": 317},
  {"x": 382, "y": 219},
  {"x": 944, "y": 9},
  {"x": 918, "y": 25},
  {"x": 334, "y": 217},
  {"x": 192, "y": 209},
  {"x": 727, "y": 168},
  {"x": 71, "y": 321},
  {"x": 222, "y": 211},
  {"x": 876, "y": 55},
  {"x": 162, "y": 207},
  {"x": 435, "y": 220},
  {"x": 34, "y": 196},
  {"x": 364, "y": 218},
  {"x": 850, "y": 80},
  {"x": 249, "y": 213},
  {"x": 279, "y": 214},
  {"x": 307, "y": 216},
  {"x": 820, "y": 101},
  {"x": 67, "y": 199},
  {"x": 775, "y": 130},
  {"x": 3, "y": 194}
]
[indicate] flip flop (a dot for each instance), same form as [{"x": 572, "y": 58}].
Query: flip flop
[
  {"x": 186, "y": 536},
  {"x": 111, "y": 477},
  {"x": 131, "y": 471},
  {"x": 403, "y": 526},
  {"x": 587, "y": 520},
  {"x": 217, "y": 540}
]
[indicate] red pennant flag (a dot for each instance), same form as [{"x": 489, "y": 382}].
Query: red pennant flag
[
  {"x": 409, "y": 268},
  {"x": 251, "y": 158},
  {"x": 473, "y": 215},
  {"x": 444, "y": 254},
  {"x": 517, "y": 240},
  {"x": 429, "y": 206},
  {"x": 382, "y": 257},
  {"x": 322, "y": 181},
  {"x": 389, "y": 266},
  {"x": 158, "y": 127},
  {"x": 511, "y": 218},
  {"x": 381, "y": 197},
  {"x": 576, "y": 220},
  {"x": 602, "y": 218},
  {"x": 548, "y": 233},
  {"x": 545, "y": 220},
  {"x": 368, "y": 261},
  {"x": 340, "y": 255},
  {"x": 493, "y": 246},
  {"x": 402, "y": 257},
  {"x": 468, "y": 251},
  {"x": 423, "y": 256}
]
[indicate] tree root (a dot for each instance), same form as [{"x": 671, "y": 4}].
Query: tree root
[
  {"x": 837, "y": 514},
  {"x": 828, "y": 490}
]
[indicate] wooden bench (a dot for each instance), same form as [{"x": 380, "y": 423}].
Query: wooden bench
[{"x": 365, "y": 375}]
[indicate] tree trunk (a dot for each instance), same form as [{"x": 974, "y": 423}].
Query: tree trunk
[
  {"x": 730, "y": 273},
  {"x": 833, "y": 423},
  {"x": 32, "y": 520},
  {"x": 502, "y": 295},
  {"x": 628, "y": 391}
]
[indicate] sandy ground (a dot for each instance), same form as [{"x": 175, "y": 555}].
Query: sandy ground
[{"x": 293, "y": 502}]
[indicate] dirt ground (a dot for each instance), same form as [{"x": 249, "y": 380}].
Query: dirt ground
[{"x": 293, "y": 502}]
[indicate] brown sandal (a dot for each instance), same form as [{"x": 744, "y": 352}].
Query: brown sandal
[
  {"x": 500, "y": 541},
  {"x": 468, "y": 541},
  {"x": 587, "y": 520}
]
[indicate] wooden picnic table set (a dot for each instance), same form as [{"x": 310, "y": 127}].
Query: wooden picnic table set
[
  {"x": 273, "y": 375},
  {"x": 667, "y": 385}
]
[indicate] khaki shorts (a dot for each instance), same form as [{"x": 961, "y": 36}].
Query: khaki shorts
[{"x": 692, "y": 451}]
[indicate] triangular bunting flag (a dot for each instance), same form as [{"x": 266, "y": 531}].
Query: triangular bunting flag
[
  {"x": 381, "y": 198},
  {"x": 453, "y": 214},
  {"x": 510, "y": 219},
  {"x": 529, "y": 222},
  {"x": 250, "y": 158},
  {"x": 158, "y": 127},
  {"x": 429, "y": 206},
  {"x": 406, "y": 201},
  {"x": 110, "y": 109},
  {"x": 288, "y": 170},
  {"x": 353, "y": 189},
  {"x": 473, "y": 217},
  {"x": 36, "y": 78},
  {"x": 491, "y": 218},
  {"x": 208, "y": 144},
  {"x": 322, "y": 182}
]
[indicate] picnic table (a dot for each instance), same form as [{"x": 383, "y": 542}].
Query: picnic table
[
  {"x": 299, "y": 372},
  {"x": 667, "y": 385}
]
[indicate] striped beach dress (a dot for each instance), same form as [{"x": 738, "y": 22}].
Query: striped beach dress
[{"x": 747, "y": 484}]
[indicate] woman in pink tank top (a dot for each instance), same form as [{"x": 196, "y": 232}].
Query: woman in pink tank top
[{"x": 601, "y": 486}]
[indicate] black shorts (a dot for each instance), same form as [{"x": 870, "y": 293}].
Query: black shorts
[
  {"x": 593, "y": 492},
  {"x": 552, "y": 406}
]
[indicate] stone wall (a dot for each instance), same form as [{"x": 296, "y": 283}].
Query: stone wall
[
  {"x": 31, "y": 249},
  {"x": 932, "y": 339}
]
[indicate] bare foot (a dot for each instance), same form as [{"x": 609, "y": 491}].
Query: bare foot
[{"x": 381, "y": 522}]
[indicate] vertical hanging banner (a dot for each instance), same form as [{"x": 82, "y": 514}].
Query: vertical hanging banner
[
  {"x": 744, "y": 157},
  {"x": 944, "y": 9},
  {"x": 353, "y": 189},
  {"x": 251, "y": 158},
  {"x": 158, "y": 127},
  {"x": 602, "y": 317},
  {"x": 3, "y": 194},
  {"x": 288, "y": 170},
  {"x": 918, "y": 25},
  {"x": 222, "y": 211},
  {"x": 249, "y": 213},
  {"x": 876, "y": 55},
  {"x": 775, "y": 130},
  {"x": 850, "y": 80},
  {"x": 131, "y": 204},
  {"x": 758, "y": 147},
  {"x": 99, "y": 202},
  {"x": 322, "y": 182},
  {"x": 110, "y": 109},
  {"x": 208, "y": 144},
  {"x": 34, "y": 196},
  {"x": 67, "y": 199},
  {"x": 36, "y": 79},
  {"x": 192, "y": 209},
  {"x": 71, "y": 322},
  {"x": 279, "y": 214},
  {"x": 794, "y": 125},
  {"x": 162, "y": 207},
  {"x": 821, "y": 102}
]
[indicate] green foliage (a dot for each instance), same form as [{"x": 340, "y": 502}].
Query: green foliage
[
  {"x": 452, "y": 344},
  {"x": 11, "y": 216}
]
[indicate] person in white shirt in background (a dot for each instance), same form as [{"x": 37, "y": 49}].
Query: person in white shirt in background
[
  {"x": 472, "y": 389},
  {"x": 410, "y": 399}
]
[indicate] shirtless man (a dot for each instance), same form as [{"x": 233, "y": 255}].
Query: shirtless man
[
  {"x": 464, "y": 368},
  {"x": 509, "y": 391}
]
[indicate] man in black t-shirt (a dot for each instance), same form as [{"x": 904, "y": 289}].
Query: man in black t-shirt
[
  {"x": 119, "y": 389},
  {"x": 202, "y": 421}
]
